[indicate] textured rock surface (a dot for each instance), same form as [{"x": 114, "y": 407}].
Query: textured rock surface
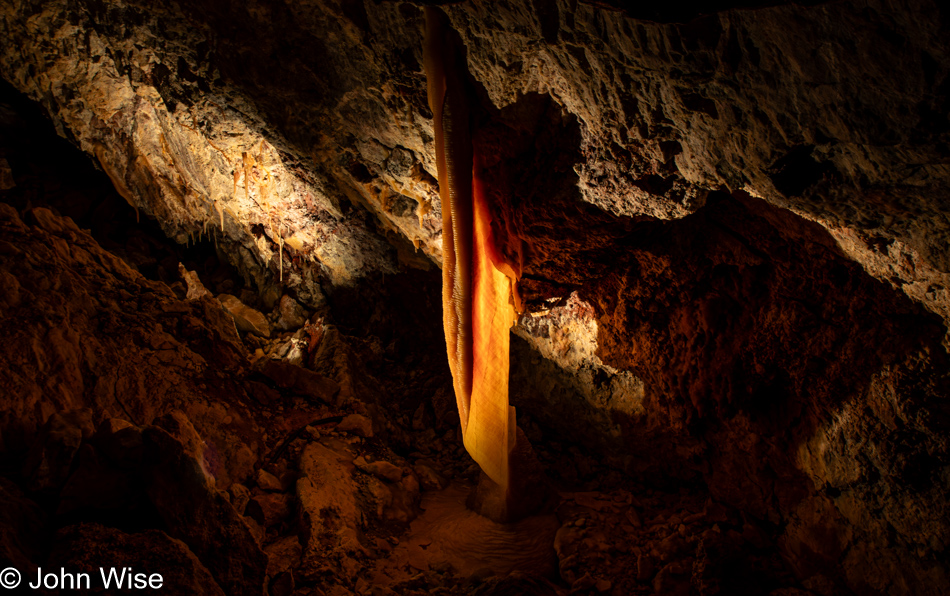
[
  {"x": 327, "y": 494},
  {"x": 558, "y": 377},
  {"x": 195, "y": 513},
  {"x": 83, "y": 548},
  {"x": 749, "y": 331},
  {"x": 756, "y": 362},
  {"x": 149, "y": 356},
  {"x": 195, "y": 159},
  {"x": 799, "y": 105},
  {"x": 246, "y": 318},
  {"x": 22, "y": 531}
]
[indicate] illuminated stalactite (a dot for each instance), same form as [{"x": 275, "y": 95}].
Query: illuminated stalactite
[{"x": 477, "y": 280}]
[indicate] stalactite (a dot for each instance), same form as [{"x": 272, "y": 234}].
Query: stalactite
[{"x": 477, "y": 298}]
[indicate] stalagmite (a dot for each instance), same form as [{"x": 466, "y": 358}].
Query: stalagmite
[{"x": 477, "y": 299}]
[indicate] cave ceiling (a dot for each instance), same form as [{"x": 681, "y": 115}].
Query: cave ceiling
[{"x": 300, "y": 130}]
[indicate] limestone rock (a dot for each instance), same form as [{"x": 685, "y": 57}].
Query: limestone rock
[
  {"x": 283, "y": 584},
  {"x": 517, "y": 49},
  {"x": 381, "y": 496},
  {"x": 246, "y": 318},
  {"x": 196, "y": 514},
  {"x": 381, "y": 469},
  {"x": 268, "y": 481},
  {"x": 292, "y": 315},
  {"x": 108, "y": 340},
  {"x": 84, "y": 548},
  {"x": 357, "y": 424},
  {"x": 283, "y": 555},
  {"x": 294, "y": 351},
  {"x": 406, "y": 499},
  {"x": 240, "y": 496},
  {"x": 327, "y": 494},
  {"x": 300, "y": 380},
  {"x": 429, "y": 479},
  {"x": 195, "y": 288},
  {"x": 177, "y": 424},
  {"x": 744, "y": 202},
  {"x": 226, "y": 159},
  {"x": 270, "y": 508}
]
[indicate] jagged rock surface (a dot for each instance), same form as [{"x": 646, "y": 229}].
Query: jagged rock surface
[
  {"x": 149, "y": 355},
  {"x": 196, "y": 159},
  {"x": 801, "y": 105},
  {"x": 83, "y": 548}
]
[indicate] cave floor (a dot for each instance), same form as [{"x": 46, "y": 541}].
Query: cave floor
[{"x": 630, "y": 540}]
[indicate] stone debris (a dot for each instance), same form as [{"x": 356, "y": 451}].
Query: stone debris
[
  {"x": 291, "y": 315},
  {"x": 83, "y": 548},
  {"x": 294, "y": 351},
  {"x": 240, "y": 496},
  {"x": 327, "y": 492},
  {"x": 196, "y": 289},
  {"x": 246, "y": 318},
  {"x": 381, "y": 469},
  {"x": 269, "y": 509},
  {"x": 429, "y": 479},
  {"x": 199, "y": 516},
  {"x": 357, "y": 424},
  {"x": 283, "y": 555},
  {"x": 268, "y": 481},
  {"x": 300, "y": 380}
]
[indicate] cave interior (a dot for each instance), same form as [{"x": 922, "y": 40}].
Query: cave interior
[{"x": 224, "y": 367}]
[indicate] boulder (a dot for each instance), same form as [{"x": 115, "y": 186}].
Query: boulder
[
  {"x": 194, "y": 512},
  {"x": 84, "y": 548},
  {"x": 327, "y": 493},
  {"x": 357, "y": 424},
  {"x": 300, "y": 380},
  {"x": 381, "y": 469},
  {"x": 292, "y": 315},
  {"x": 246, "y": 318}
]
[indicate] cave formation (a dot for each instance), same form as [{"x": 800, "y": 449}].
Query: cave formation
[{"x": 222, "y": 258}]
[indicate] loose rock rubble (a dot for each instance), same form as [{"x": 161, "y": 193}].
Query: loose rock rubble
[{"x": 299, "y": 488}]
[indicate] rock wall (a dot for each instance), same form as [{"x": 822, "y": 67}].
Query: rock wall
[
  {"x": 87, "y": 331},
  {"x": 200, "y": 160},
  {"x": 265, "y": 121}
]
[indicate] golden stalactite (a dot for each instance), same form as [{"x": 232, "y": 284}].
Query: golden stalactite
[{"x": 477, "y": 294}]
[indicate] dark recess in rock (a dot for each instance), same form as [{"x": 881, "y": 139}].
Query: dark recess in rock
[{"x": 797, "y": 170}]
